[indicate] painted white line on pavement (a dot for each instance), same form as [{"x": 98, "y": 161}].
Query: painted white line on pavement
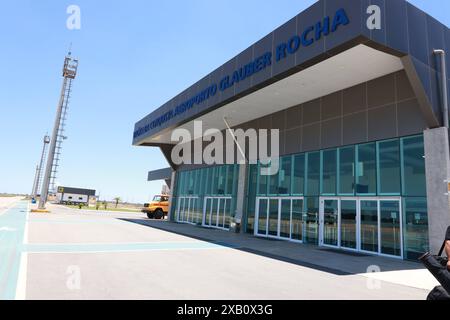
[{"x": 21, "y": 289}]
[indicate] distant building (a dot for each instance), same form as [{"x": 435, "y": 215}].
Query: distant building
[{"x": 67, "y": 195}]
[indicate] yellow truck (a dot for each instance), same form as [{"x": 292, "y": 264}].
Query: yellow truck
[{"x": 158, "y": 208}]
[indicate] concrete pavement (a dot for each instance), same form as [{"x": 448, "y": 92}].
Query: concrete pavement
[{"x": 76, "y": 254}]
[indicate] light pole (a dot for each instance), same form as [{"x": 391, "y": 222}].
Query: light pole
[{"x": 69, "y": 74}]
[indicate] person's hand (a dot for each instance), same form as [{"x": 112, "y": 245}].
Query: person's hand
[{"x": 447, "y": 250}]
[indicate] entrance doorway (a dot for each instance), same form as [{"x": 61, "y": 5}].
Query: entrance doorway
[
  {"x": 371, "y": 225},
  {"x": 187, "y": 210},
  {"x": 217, "y": 212},
  {"x": 280, "y": 218}
]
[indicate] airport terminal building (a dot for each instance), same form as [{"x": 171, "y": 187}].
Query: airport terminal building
[{"x": 358, "y": 93}]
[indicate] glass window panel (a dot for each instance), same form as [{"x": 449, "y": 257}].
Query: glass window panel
[
  {"x": 215, "y": 180},
  {"x": 348, "y": 224},
  {"x": 311, "y": 220},
  {"x": 179, "y": 209},
  {"x": 297, "y": 220},
  {"x": 197, "y": 182},
  {"x": 414, "y": 183},
  {"x": 273, "y": 182},
  {"x": 389, "y": 166},
  {"x": 366, "y": 169},
  {"x": 273, "y": 217},
  {"x": 214, "y": 216},
  {"x": 252, "y": 183},
  {"x": 193, "y": 210},
  {"x": 347, "y": 171},
  {"x": 227, "y": 213},
  {"x": 329, "y": 172},
  {"x": 369, "y": 226},
  {"x": 231, "y": 178},
  {"x": 262, "y": 190},
  {"x": 262, "y": 217},
  {"x": 221, "y": 213},
  {"x": 285, "y": 179},
  {"x": 330, "y": 222},
  {"x": 313, "y": 174},
  {"x": 208, "y": 184},
  {"x": 299, "y": 174},
  {"x": 202, "y": 188},
  {"x": 208, "y": 211},
  {"x": 285, "y": 218},
  {"x": 199, "y": 208},
  {"x": 390, "y": 228},
  {"x": 182, "y": 183},
  {"x": 416, "y": 228},
  {"x": 222, "y": 179},
  {"x": 179, "y": 183},
  {"x": 185, "y": 210},
  {"x": 191, "y": 179}
]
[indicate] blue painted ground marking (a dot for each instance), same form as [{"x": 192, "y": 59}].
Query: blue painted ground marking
[{"x": 12, "y": 228}]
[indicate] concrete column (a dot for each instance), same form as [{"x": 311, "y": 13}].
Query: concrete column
[
  {"x": 172, "y": 193},
  {"x": 241, "y": 192},
  {"x": 437, "y": 163}
]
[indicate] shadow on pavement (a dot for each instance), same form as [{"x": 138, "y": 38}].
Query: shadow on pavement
[{"x": 333, "y": 261}]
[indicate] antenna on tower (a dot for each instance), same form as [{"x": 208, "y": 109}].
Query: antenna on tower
[{"x": 69, "y": 74}]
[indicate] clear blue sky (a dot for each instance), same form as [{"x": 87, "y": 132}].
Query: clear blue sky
[{"x": 134, "y": 56}]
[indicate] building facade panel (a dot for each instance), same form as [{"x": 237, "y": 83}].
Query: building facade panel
[{"x": 357, "y": 165}]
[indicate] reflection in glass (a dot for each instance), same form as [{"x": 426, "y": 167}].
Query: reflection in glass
[
  {"x": 369, "y": 226},
  {"x": 347, "y": 171},
  {"x": 390, "y": 228},
  {"x": 366, "y": 169},
  {"x": 311, "y": 220},
  {"x": 416, "y": 228},
  {"x": 227, "y": 213},
  {"x": 297, "y": 220},
  {"x": 389, "y": 164},
  {"x": 208, "y": 212},
  {"x": 348, "y": 224},
  {"x": 330, "y": 222},
  {"x": 262, "y": 188},
  {"x": 414, "y": 183},
  {"x": 284, "y": 184},
  {"x": 221, "y": 213},
  {"x": 299, "y": 174},
  {"x": 313, "y": 174},
  {"x": 285, "y": 219},
  {"x": 262, "y": 217},
  {"x": 273, "y": 217},
  {"x": 214, "y": 216},
  {"x": 231, "y": 178}
]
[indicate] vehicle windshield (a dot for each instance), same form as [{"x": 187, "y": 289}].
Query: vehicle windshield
[{"x": 160, "y": 199}]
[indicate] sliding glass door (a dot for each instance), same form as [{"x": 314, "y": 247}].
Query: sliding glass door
[
  {"x": 280, "y": 217},
  {"x": 372, "y": 225}
]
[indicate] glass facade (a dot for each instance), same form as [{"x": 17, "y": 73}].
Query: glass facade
[
  {"x": 380, "y": 170},
  {"x": 206, "y": 196},
  {"x": 369, "y": 197}
]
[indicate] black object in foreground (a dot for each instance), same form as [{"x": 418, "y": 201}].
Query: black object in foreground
[{"x": 437, "y": 265}]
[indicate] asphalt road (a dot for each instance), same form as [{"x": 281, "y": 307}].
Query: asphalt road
[{"x": 72, "y": 254}]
